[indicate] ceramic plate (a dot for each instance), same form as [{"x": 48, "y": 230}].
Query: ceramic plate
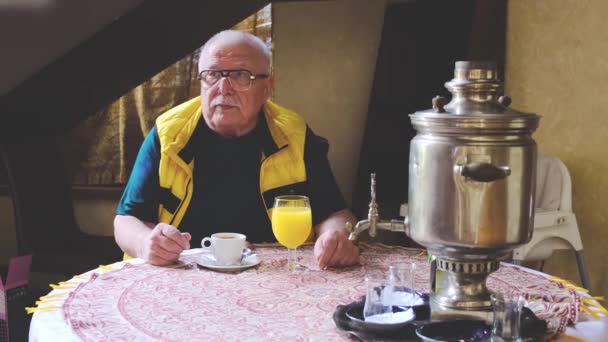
[{"x": 208, "y": 261}]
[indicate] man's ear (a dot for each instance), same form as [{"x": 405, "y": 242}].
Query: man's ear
[{"x": 268, "y": 90}]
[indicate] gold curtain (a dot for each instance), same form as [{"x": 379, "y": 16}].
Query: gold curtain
[{"x": 101, "y": 150}]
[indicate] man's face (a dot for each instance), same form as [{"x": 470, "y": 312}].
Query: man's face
[{"x": 227, "y": 111}]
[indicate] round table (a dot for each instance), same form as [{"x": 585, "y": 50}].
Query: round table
[{"x": 135, "y": 301}]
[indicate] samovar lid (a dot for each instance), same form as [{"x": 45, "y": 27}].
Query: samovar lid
[{"x": 477, "y": 105}]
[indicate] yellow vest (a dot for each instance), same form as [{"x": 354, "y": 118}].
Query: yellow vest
[{"x": 282, "y": 168}]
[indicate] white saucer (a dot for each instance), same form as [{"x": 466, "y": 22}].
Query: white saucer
[
  {"x": 208, "y": 261},
  {"x": 392, "y": 317}
]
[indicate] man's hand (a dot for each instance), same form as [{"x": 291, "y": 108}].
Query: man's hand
[
  {"x": 164, "y": 244},
  {"x": 334, "y": 249}
]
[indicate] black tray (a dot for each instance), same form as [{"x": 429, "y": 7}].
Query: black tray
[{"x": 533, "y": 328}]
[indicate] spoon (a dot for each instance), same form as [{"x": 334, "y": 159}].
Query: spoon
[{"x": 246, "y": 252}]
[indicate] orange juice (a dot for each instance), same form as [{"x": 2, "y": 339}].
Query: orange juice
[{"x": 291, "y": 225}]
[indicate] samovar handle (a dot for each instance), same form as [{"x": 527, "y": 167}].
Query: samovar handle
[{"x": 482, "y": 172}]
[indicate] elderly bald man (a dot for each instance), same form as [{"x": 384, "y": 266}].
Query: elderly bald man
[{"x": 223, "y": 172}]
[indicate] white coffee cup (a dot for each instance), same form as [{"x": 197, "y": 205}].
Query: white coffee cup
[{"x": 227, "y": 248}]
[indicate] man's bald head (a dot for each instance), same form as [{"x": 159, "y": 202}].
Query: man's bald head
[{"x": 233, "y": 38}]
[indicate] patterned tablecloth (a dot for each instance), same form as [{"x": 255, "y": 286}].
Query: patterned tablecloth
[{"x": 139, "y": 302}]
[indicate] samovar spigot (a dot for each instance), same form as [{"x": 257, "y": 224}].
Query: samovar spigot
[{"x": 373, "y": 222}]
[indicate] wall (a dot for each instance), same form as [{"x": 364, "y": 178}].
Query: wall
[
  {"x": 324, "y": 60},
  {"x": 46, "y": 31},
  {"x": 557, "y": 67}
]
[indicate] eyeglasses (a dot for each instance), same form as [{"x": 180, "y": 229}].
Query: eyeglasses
[{"x": 240, "y": 79}]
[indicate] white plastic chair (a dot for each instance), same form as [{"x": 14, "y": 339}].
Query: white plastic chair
[{"x": 555, "y": 226}]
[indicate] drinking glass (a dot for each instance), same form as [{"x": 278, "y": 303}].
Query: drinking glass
[
  {"x": 291, "y": 225},
  {"x": 378, "y": 305},
  {"x": 401, "y": 279},
  {"x": 507, "y": 316}
]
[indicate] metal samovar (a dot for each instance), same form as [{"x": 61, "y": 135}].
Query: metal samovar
[{"x": 472, "y": 172}]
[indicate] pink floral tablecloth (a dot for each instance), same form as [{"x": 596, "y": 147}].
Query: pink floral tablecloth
[{"x": 141, "y": 302}]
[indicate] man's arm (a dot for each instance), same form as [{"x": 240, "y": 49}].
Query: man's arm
[
  {"x": 159, "y": 244},
  {"x": 129, "y": 232},
  {"x": 332, "y": 247},
  {"x": 329, "y": 210}
]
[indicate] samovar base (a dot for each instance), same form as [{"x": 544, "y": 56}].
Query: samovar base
[
  {"x": 463, "y": 295},
  {"x": 442, "y": 313}
]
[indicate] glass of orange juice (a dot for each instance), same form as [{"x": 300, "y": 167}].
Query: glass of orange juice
[{"x": 291, "y": 224}]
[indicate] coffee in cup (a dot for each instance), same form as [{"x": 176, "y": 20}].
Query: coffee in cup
[{"x": 227, "y": 248}]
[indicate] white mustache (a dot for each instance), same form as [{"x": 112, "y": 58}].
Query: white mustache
[{"x": 225, "y": 101}]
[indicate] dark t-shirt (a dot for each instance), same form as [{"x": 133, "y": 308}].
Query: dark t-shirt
[{"x": 226, "y": 184}]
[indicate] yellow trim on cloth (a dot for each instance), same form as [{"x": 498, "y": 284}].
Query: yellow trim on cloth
[
  {"x": 54, "y": 301},
  {"x": 589, "y": 304}
]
